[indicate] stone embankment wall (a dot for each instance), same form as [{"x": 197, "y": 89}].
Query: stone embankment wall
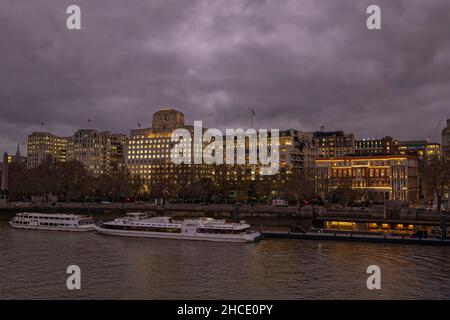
[{"x": 274, "y": 215}]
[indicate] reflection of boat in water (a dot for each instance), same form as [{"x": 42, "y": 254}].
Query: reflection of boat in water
[
  {"x": 139, "y": 225},
  {"x": 53, "y": 222}
]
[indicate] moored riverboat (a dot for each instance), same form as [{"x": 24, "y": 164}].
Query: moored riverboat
[
  {"x": 52, "y": 222},
  {"x": 207, "y": 229}
]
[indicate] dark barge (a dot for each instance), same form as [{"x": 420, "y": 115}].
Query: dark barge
[{"x": 369, "y": 230}]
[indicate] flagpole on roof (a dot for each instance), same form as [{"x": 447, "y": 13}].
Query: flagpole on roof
[{"x": 253, "y": 116}]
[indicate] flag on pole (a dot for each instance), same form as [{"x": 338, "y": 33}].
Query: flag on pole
[
  {"x": 253, "y": 116},
  {"x": 89, "y": 120},
  {"x": 42, "y": 124},
  {"x": 139, "y": 124}
]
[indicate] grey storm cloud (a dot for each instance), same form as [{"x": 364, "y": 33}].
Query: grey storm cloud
[{"x": 299, "y": 63}]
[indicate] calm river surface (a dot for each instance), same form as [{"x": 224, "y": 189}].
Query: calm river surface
[{"x": 33, "y": 266}]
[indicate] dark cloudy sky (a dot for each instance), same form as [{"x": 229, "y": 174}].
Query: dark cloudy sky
[{"x": 299, "y": 64}]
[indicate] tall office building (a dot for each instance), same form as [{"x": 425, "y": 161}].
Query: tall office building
[
  {"x": 298, "y": 150},
  {"x": 148, "y": 151},
  {"x": 45, "y": 146},
  {"x": 112, "y": 152},
  {"x": 84, "y": 146},
  {"x": 334, "y": 143},
  {"x": 99, "y": 152}
]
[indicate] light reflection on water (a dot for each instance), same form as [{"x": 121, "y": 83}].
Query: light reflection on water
[{"x": 33, "y": 266}]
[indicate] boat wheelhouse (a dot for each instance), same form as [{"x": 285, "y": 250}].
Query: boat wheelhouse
[
  {"x": 53, "y": 222},
  {"x": 139, "y": 225}
]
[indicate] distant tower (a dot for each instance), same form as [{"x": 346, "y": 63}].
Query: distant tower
[
  {"x": 5, "y": 174},
  {"x": 17, "y": 157},
  {"x": 167, "y": 120}
]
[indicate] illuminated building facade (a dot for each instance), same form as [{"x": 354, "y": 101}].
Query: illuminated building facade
[
  {"x": 100, "y": 152},
  {"x": 112, "y": 154},
  {"x": 378, "y": 178},
  {"x": 334, "y": 143},
  {"x": 298, "y": 150},
  {"x": 149, "y": 149},
  {"x": 44, "y": 146},
  {"x": 372, "y": 147},
  {"x": 84, "y": 146},
  {"x": 148, "y": 154},
  {"x": 422, "y": 149}
]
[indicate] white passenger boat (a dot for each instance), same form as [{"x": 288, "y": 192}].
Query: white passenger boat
[
  {"x": 139, "y": 225},
  {"x": 57, "y": 222}
]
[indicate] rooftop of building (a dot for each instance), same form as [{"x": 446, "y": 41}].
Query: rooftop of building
[
  {"x": 374, "y": 157},
  {"x": 320, "y": 134},
  {"x": 41, "y": 133},
  {"x": 415, "y": 143},
  {"x": 168, "y": 109},
  {"x": 373, "y": 139}
]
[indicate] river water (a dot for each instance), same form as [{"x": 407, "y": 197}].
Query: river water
[{"x": 33, "y": 266}]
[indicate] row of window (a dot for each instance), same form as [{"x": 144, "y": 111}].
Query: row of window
[
  {"x": 46, "y": 224},
  {"x": 50, "y": 218},
  {"x": 170, "y": 230}
]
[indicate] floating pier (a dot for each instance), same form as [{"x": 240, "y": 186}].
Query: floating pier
[{"x": 328, "y": 236}]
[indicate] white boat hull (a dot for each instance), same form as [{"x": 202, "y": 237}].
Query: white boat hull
[
  {"x": 47, "y": 228},
  {"x": 251, "y": 237}
]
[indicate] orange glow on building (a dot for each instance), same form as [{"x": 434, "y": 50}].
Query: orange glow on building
[{"x": 378, "y": 177}]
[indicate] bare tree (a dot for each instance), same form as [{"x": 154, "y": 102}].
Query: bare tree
[
  {"x": 299, "y": 186},
  {"x": 436, "y": 180}
]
